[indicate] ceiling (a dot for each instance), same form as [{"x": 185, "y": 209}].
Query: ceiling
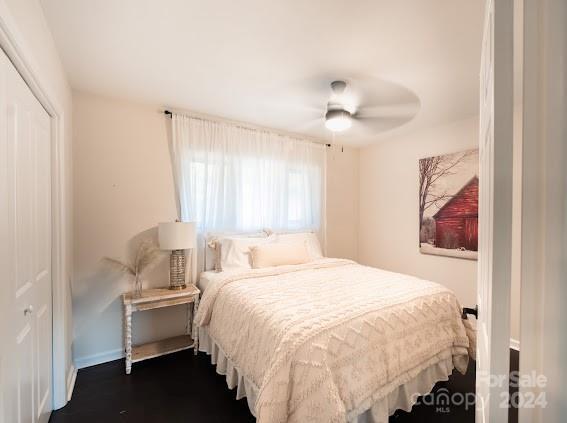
[{"x": 270, "y": 62}]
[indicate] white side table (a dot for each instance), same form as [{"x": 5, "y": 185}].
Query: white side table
[{"x": 150, "y": 300}]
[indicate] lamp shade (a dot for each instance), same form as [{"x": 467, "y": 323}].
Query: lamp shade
[{"x": 177, "y": 235}]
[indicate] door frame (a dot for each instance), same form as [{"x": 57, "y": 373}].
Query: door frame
[
  {"x": 493, "y": 333},
  {"x": 22, "y": 57},
  {"x": 544, "y": 191}
]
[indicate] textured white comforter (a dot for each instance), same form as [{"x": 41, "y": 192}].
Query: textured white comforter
[{"x": 324, "y": 341}]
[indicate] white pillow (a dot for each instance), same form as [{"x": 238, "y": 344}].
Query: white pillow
[
  {"x": 313, "y": 245},
  {"x": 213, "y": 246},
  {"x": 279, "y": 254},
  {"x": 235, "y": 252}
]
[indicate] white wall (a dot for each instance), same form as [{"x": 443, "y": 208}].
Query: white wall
[
  {"x": 123, "y": 188},
  {"x": 342, "y": 202},
  {"x": 34, "y": 37},
  {"x": 388, "y": 236}
]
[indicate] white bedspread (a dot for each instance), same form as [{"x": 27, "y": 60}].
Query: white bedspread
[{"x": 324, "y": 341}]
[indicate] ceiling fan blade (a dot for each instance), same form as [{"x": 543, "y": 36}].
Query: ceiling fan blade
[
  {"x": 402, "y": 110},
  {"x": 305, "y": 95},
  {"x": 310, "y": 125},
  {"x": 377, "y": 125},
  {"x": 291, "y": 106}
]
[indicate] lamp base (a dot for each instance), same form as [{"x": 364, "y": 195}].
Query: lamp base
[
  {"x": 177, "y": 287},
  {"x": 177, "y": 270}
]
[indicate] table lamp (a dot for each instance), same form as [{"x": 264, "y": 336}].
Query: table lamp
[{"x": 177, "y": 237}]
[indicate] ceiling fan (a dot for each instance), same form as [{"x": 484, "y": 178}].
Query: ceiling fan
[
  {"x": 348, "y": 106},
  {"x": 338, "y": 118}
]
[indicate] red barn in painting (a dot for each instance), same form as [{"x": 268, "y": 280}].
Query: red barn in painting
[{"x": 456, "y": 223}]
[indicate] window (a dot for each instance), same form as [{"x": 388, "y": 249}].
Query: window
[{"x": 238, "y": 179}]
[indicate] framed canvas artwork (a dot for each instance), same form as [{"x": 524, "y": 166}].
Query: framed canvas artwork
[{"x": 448, "y": 205}]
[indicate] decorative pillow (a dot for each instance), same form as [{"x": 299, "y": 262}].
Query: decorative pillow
[
  {"x": 213, "y": 246},
  {"x": 235, "y": 252},
  {"x": 313, "y": 245},
  {"x": 279, "y": 254}
]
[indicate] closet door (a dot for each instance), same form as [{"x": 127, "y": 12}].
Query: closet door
[{"x": 26, "y": 354}]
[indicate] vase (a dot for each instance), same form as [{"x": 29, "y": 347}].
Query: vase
[{"x": 138, "y": 286}]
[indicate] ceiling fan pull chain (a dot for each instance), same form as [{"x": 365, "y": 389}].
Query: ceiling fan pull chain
[
  {"x": 332, "y": 145},
  {"x": 332, "y": 140}
]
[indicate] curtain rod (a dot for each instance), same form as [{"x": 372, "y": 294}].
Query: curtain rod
[{"x": 169, "y": 114}]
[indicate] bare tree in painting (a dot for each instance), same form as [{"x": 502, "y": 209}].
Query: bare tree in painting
[{"x": 431, "y": 169}]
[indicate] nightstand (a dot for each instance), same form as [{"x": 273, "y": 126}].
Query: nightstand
[{"x": 150, "y": 300}]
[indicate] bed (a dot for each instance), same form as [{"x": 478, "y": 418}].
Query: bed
[{"x": 330, "y": 340}]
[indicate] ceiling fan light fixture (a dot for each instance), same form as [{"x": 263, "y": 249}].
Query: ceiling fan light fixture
[{"x": 338, "y": 120}]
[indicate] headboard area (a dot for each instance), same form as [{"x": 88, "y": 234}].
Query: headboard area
[{"x": 209, "y": 245}]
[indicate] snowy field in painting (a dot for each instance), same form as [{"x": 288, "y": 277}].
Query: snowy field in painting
[{"x": 426, "y": 248}]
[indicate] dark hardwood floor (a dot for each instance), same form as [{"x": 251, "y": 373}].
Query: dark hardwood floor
[{"x": 183, "y": 388}]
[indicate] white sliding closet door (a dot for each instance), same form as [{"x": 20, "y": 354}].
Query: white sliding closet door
[{"x": 25, "y": 267}]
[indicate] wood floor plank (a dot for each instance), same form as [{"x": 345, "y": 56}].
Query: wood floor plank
[{"x": 181, "y": 387}]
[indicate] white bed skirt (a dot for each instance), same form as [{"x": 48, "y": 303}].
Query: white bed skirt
[{"x": 402, "y": 398}]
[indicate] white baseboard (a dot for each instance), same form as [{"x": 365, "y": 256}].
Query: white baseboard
[
  {"x": 103, "y": 357},
  {"x": 106, "y": 356},
  {"x": 71, "y": 378}
]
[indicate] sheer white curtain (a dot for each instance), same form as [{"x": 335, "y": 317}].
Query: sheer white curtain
[{"x": 233, "y": 178}]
